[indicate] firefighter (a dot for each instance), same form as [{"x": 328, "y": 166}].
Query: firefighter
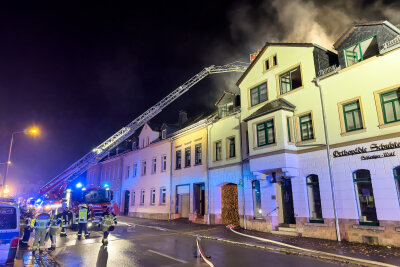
[
  {"x": 83, "y": 217},
  {"x": 55, "y": 222},
  {"x": 107, "y": 222},
  {"x": 65, "y": 217},
  {"x": 42, "y": 223}
]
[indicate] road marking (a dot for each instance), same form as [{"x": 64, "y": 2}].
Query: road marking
[{"x": 167, "y": 256}]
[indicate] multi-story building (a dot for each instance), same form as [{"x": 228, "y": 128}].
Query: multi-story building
[{"x": 287, "y": 146}]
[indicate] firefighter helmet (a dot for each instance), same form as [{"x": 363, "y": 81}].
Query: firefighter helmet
[{"x": 84, "y": 206}]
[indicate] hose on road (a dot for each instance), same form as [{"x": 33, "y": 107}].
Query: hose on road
[{"x": 201, "y": 252}]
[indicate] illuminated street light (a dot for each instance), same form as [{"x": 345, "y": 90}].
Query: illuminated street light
[
  {"x": 78, "y": 185},
  {"x": 6, "y": 191},
  {"x": 31, "y": 131}
]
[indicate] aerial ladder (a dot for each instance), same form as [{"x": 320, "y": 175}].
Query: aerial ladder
[{"x": 57, "y": 185}]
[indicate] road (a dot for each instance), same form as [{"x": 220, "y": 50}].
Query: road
[{"x": 134, "y": 245}]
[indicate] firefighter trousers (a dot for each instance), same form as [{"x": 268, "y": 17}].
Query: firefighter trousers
[
  {"x": 63, "y": 229},
  {"x": 83, "y": 227},
  {"x": 40, "y": 236},
  {"x": 52, "y": 234},
  {"x": 105, "y": 236}
]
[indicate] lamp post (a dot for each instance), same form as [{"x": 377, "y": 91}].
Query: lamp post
[{"x": 32, "y": 131}]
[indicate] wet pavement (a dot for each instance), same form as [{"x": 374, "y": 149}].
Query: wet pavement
[{"x": 141, "y": 242}]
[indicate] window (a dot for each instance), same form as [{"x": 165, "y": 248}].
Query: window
[
  {"x": 314, "y": 199},
  {"x": 365, "y": 197},
  {"x": 128, "y": 171},
  {"x": 144, "y": 168},
  {"x": 178, "y": 160},
  {"x": 154, "y": 165},
  {"x": 224, "y": 110},
  {"x": 362, "y": 50},
  {"x": 290, "y": 80},
  {"x": 306, "y": 127},
  {"x": 152, "y": 196},
  {"x": 256, "y": 200},
  {"x": 148, "y": 140},
  {"x": 134, "y": 170},
  {"x": 133, "y": 200},
  {"x": 258, "y": 94},
  {"x": 390, "y": 102},
  {"x": 267, "y": 64},
  {"x": 197, "y": 154},
  {"x": 265, "y": 133},
  {"x": 231, "y": 147},
  {"x": 352, "y": 116},
  {"x": 187, "y": 156},
  {"x": 163, "y": 163},
  {"x": 142, "y": 197},
  {"x": 396, "y": 173},
  {"x": 275, "y": 60},
  {"x": 164, "y": 134},
  {"x": 218, "y": 151},
  {"x": 163, "y": 195},
  {"x": 289, "y": 128}
]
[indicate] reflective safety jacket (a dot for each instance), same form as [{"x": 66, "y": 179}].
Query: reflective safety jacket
[
  {"x": 42, "y": 221},
  {"x": 83, "y": 215},
  {"x": 32, "y": 222},
  {"x": 108, "y": 219},
  {"x": 55, "y": 222}
]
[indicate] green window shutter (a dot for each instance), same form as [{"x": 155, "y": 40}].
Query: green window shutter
[{"x": 352, "y": 116}]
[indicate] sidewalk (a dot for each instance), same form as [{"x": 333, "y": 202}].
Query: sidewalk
[{"x": 355, "y": 250}]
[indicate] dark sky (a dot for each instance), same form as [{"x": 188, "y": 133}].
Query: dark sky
[{"x": 82, "y": 71}]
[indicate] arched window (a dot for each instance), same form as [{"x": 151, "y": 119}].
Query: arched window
[
  {"x": 365, "y": 197},
  {"x": 396, "y": 174},
  {"x": 256, "y": 200},
  {"x": 314, "y": 199}
]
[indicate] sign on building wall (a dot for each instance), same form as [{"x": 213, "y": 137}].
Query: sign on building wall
[{"x": 372, "y": 148}]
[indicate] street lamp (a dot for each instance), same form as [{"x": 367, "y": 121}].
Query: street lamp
[{"x": 31, "y": 131}]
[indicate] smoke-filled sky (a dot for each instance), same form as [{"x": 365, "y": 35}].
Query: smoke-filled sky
[{"x": 83, "y": 70}]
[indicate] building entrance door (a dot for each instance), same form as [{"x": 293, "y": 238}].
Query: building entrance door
[
  {"x": 287, "y": 201},
  {"x": 199, "y": 199},
  {"x": 229, "y": 204},
  {"x": 126, "y": 203},
  {"x": 183, "y": 200}
]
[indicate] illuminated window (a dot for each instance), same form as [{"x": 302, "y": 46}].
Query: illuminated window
[
  {"x": 314, "y": 199},
  {"x": 231, "y": 147},
  {"x": 133, "y": 200},
  {"x": 154, "y": 165},
  {"x": 396, "y": 173},
  {"x": 362, "y": 50},
  {"x": 197, "y": 156},
  {"x": 256, "y": 200},
  {"x": 178, "y": 160},
  {"x": 218, "y": 151},
  {"x": 352, "y": 116},
  {"x": 152, "y": 196},
  {"x": 258, "y": 94},
  {"x": 290, "y": 80},
  {"x": 163, "y": 163},
  {"x": 187, "y": 156},
  {"x": 142, "y": 195},
  {"x": 306, "y": 127},
  {"x": 365, "y": 197},
  {"x": 265, "y": 133},
  {"x": 390, "y": 102},
  {"x": 163, "y": 195}
]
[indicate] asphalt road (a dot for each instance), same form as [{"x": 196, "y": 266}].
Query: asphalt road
[{"x": 131, "y": 245}]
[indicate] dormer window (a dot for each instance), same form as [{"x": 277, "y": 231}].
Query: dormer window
[
  {"x": 164, "y": 134},
  {"x": 224, "y": 110},
  {"x": 361, "y": 50}
]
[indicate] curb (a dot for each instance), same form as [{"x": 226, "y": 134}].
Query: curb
[{"x": 297, "y": 251}]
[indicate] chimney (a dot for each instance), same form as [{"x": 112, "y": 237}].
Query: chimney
[{"x": 182, "y": 117}]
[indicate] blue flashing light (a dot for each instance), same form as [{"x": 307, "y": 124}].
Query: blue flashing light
[
  {"x": 38, "y": 200},
  {"x": 106, "y": 185},
  {"x": 83, "y": 188},
  {"x": 79, "y": 185}
]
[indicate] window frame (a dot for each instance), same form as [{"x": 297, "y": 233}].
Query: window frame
[
  {"x": 197, "y": 156},
  {"x": 381, "y": 95},
  {"x": 133, "y": 199},
  {"x": 289, "y": 125},
  {"x": 144, "y": 166},
  {"x": 257, "y": 215},
  {"x": 308, "y": 184},
  {"x": 128, "y": 172},
  {"x": 352, "y": 112},
  {"x": 229, "y": 148},
  {"x": 153, "y": 165},
  {"x": 178, "y": 166},
  {"x": 163, "y": 194},
  {"x": 345, "y": 51},
  {"x": 289, "y": 71},
  {"x": 257, "y": 87},
  {"x": 152, "y": 196},
  {"x": 397, "y": 181},
  {"x": 163, "y": 163},
  {"x": 164, "y": 134},
  {"x": 266, "y": 128},
  {"x": 216, "y": 158},
  {"x": 142, "y": 196},
  {"x": 311, "y": 123},
  {"x": 134, "y": 170}
]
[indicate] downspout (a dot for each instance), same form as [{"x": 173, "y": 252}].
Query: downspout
[
  {"x": 122, "y": 196},
  {"x": 208, "y": 174},
  {"x": 242, "y": 169},
  {"x": 170, "y": 181},
  {"x": 328, "y": 152}
]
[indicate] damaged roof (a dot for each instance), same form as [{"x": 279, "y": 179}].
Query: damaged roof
[{"x": 270, "y": 107}]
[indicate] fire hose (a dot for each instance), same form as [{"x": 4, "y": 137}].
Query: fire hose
[{"x": 201, "y": 252}]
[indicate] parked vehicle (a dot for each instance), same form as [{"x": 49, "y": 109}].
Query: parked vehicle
[{"x": 9, "y": 231}]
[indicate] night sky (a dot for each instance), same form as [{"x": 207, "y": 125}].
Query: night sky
[{"x": 82, "y": 71}]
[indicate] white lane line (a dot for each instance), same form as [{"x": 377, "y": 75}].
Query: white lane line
[{"x": 167, "y": 256}]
